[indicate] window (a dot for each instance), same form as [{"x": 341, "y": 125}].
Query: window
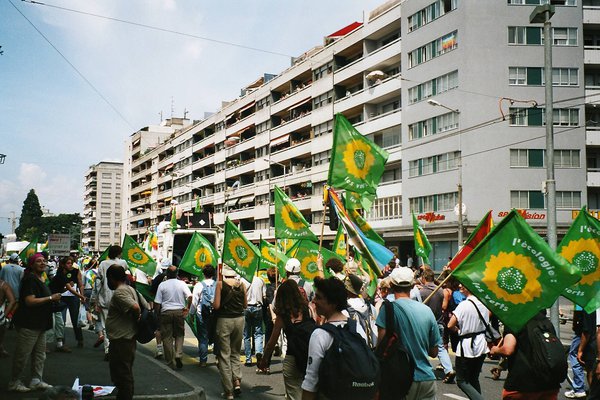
[
  {"x": 430, "y": 13},
  {"x": 526, "y": 116},
  {"x": 527, "y": 158},
  {"x": 434, "y": 164},
  {"x": 524, "y": 199},
  {"x": 570, "y": 200},
  {"x": 261, "y": 175},
  {"x": 263, "y": 126},
  {"x": 117, "y": 186},
  {"x": 539, "y": 2},
  {"x": 262, "y": 224},
  {"x": 392, "y": 173},
  {"x": 104, "y": 224},
  {"x": 565, "y": 77},
  {"x": 524, "y": 35},
  {"x": 105, "y": 215},
  {"x": 321, "y": 158},
  {"x": 106, "y": 195},
  {"x": 517, "y": 76},
  {"x": 567, "y": 158},
  {"x": 104, "y": 205},
  {"x": 534, "y": 76},
  {"x": 387, "y": 138},
  {"x": 385, "y": 208},
  {"x": 565, "y": 117},
  {"x": 324, "y": 128},
  {"x": 433, "y": 126},
  {"x": 262, "y": 103},
  {"x": 433, "y": 87},
  {"x": 433, "y": 49},
  {"x": 434, "y": 203},
  {"x": 323, "y": 70},
  {"x": 564, "y": 36},
  {"x": 323, "y": 99},
  {"x": 106, "y": 175},
  {"x": 220, "y": 166},
  {"x": 106, "y": 185}
]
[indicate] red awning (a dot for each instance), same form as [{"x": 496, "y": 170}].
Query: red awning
[
  {"x": 346, "y": 30},
  {"x": 281, "y": 140},
  {"x": 299, "y": 104},
  {"x": 241, "y": 110}
]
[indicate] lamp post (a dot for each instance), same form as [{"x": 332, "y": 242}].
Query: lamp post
[
  {"x": 281, "y": 165},
  {"x": 542, "y": 14},
  {"x": 435, "y": 103}
]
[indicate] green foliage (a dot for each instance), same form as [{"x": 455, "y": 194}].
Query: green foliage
[
  {"x": 61, "y": 223},
  {"x": 31, "y": 215}
]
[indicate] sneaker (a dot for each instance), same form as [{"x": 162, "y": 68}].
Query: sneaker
[
  {"x": 571, "y": 394},
  {"x": 39, "y": 385},
  {"x": 99, "y": 342},
  {"x": 63, "y": 349},
  {"x": 449, "y": 378},
  {"x": 17, "y": 386},
  {"x": 159, "y": 351},
  {"x": 178, "y": 363},
  {"x": 202, "y": 364},
  {"x": 237, "y": 387}
]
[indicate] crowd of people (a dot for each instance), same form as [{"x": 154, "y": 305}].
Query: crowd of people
[{"x": 301, "y": 320}]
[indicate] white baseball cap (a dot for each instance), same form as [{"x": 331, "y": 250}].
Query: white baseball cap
[
  {"x": 292, "y": 266},
  {"x": 402, "y": 276}
]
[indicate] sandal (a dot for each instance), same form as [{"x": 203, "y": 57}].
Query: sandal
[
  {"x": 496, "y": 372},
  {"x": 237, "y": 388},
  {"x": 449, "y": 378}
]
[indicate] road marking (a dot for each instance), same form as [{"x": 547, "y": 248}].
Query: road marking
[{"x": 455, "y": 396}]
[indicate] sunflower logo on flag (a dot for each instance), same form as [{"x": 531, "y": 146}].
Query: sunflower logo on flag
[
  {"x": 240, "y": 252},
  {"x": 290, "y": 218},
  {"x": 30, "y": 251},
  {"x": 308, "y": 267},
  {"x": 137, "y": 256},
  {"x": 268, "y": 254},
  {"x": 203, "y": 257},
  {"x": 358, "y": 159},
  {"x": 584, "y": 254},
  {"x": 512, "y": 277}
]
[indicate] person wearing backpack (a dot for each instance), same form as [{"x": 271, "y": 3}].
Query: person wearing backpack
[
  {"x": 203, "y": 296},
  {"x": 359, "y": 310},
  {"x": 293, "y": 316},
  {"x": 418, "y": 331},
  {"x": 470, "y": 319},
  {"x": 527, "y": 378},
  {"x": 340, "y": 364}
]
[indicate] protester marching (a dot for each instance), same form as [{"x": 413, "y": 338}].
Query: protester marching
[{"x": 347, "y": 321}]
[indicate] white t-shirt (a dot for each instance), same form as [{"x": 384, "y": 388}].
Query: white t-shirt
[
  {"x": 255, "y": 291},
  {"x": 172, "y": 294},
  {"x": 197, "y": 295},
  {"x": 320, "y": 342},
  {"x": 105, "y": 293},
  {"x": 469, "y": 322}
]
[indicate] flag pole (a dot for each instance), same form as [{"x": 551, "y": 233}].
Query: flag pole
[
  {"x": 325, "y": 202},
  {"x": 438, "y": 287}
]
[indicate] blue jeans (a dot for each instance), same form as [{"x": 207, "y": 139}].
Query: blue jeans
[
  {"x": 578, "y": 372},
  {"x": 72, "y": 303},
  {"x": 253, "y": 327},
  {"x": 443, "y": 353},
  {"x": 202, "y": 336}
]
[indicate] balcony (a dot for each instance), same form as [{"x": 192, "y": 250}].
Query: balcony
[
  {"x": 591, "y": 55},
  {"x": 592, "y": 136},
  {"x": 592, "y": 94},
  {"x": 299, "y": 95},
  {"x": 591, "y": 15},
  {"x": 593, "y": 177},
  {"x": 370, "y": 61}
]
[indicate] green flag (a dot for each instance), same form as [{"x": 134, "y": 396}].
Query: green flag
[
  {"x": 354, "y": 201},
  {"x": 284, "y": 245},
  {"x": 422, "y": 245},
  {"x": 239, "y": 253},
  {"x": 306, "y": 252},
  {"x": 515, "y": 273},
  {"x": 136, "y": 257},
  {"x": 372, "y": 288},
  {"x": 104, "y": 255},
  {"x": 581, "y": 247},
  {"x": 272, "y": 257},
  {"x": 339, "y": 244},
  {"x": 173, "y": 220},
  {"x": 289, "y": 222},
  {"x": 28, "y": 251},
  {"x": 198, "y": 254},
  {"x": 365, "y": 227},
  {"x": 198, "y": 208},
  {"x": 356, "y": 162}
]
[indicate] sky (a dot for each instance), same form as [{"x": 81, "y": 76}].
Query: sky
[{"x": 59, "y": 114}]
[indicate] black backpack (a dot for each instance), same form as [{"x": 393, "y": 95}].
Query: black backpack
[
  {"x": 548, "y": 358},
  {"x": 298, "y": 336},
  {"x": 397, "y": 366},
  {"x": 349, "y": 370}
]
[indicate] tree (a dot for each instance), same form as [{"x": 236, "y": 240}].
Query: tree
[
  {"x": 31, "y": 216},
  {"x": 61, "y": 223}
]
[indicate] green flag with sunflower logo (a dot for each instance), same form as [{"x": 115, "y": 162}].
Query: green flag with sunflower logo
[
  {"x": 198, "y": 254},
  {"x": 515, "y": 273},
  {"x": 581, "y": 247},
  {"x": 289, "y": 222},
  {"x": 284, "y": 245},
  {"x": 239, "y": 253},
  {"x": 136, "y": 257},
  {"x": 355, "y": 201},
  {"x": 270, "y": 257},
  {"x": 104, "y": 255},
  {"x": 339, "y": 243},
  {"x": 306, "y": 252},
  {"x": 422, "y": 245},
  {"x": 356, "y": 162},
  {"x": 28, "y": 251}
]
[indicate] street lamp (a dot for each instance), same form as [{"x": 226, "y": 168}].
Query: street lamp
[
  {"x": 281, "y": 165},
  {"x": 542, "y": 14},
  {"x": 435, "y": 103},
  {"x": 2, "y": 158}
]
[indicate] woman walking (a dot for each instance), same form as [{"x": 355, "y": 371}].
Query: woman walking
[{"x": 69, "y": 282}]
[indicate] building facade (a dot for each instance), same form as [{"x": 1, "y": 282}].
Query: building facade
[
  {"x": 454, "y": 96},
  {"x": 102, "y": 203}
]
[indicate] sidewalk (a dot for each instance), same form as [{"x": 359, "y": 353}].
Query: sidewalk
[{"x": 153, "y": 380}]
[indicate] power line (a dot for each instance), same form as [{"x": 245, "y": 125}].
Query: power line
[
  {"x": 156, "y": 28},
  {"x": 90, "y": 84}
]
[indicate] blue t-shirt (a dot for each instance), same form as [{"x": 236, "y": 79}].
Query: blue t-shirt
[
  {"x": 458, "y": 297},
  {"x": 418, "y": 332}
]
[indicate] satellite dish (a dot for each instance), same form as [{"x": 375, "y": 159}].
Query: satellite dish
[{"x": 464, "y": 209}]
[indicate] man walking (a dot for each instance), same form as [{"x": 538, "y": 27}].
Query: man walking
[
  {"x": 172, "y": 302},
  {"x": 12, "y": 273},
  {"x": 121, "y": 326},
  {"x": 203, "y": 297},
  {"x": 419, "y": 332},
  {"x": 253, "y": 327}
]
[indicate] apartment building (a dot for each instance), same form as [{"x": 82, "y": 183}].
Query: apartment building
[
  {"x": 455, "y": 96},
  {"x": 101, "y": 224}
]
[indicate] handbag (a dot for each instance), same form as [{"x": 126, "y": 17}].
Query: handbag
[
  {"x": 491, "y": 334},
  {"x": 147, "y": 323}
]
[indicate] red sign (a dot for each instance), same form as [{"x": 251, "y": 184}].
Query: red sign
[
  {"x": 431, "y": 217},
  {"x": 525, "y": 214}
]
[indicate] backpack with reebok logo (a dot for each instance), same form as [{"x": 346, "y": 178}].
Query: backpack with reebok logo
[
  {"x": 397, "y": 366},
  {"x": 349, "y": 370},
  {"x": 548, "y": 358}
]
